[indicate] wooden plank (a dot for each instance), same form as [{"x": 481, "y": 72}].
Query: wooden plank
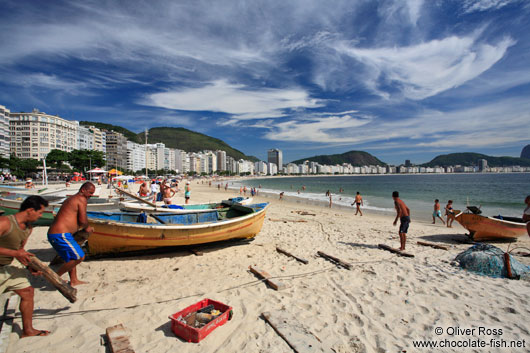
[
  {"x": 287, "y": 220},
  {"x": 118, "y": 339},
  {"x": 135, "y": 197},
  {"x": 291, "y": 255},
  {"x": 294, "y": 333},
  {"x": 394, "y": 250},
  {"x": 275, "y": 284},
  {"x": 335, "y": 260},
  {"x": 196, "y": 252},
  {"x": 432, "y": 245},
  {"x": 63, "y": 287},
  {"x": 10, "y": 303}
]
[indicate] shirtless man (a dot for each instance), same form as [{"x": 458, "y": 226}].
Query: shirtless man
[
  {"x": 358, "y": 202},
  {"x": 403, "y": 213},
  {"x": 70, "y": 219},
  {"x": 437, "y": 212},
  {"x": 526, "y": 214},
  {"x": 14, "y": 233},
  {"x": 144, "y": 190}
]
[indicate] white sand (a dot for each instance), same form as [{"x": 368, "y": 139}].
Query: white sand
[{"x": 382, "y": 304}]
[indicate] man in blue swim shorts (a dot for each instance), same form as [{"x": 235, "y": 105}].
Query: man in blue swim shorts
[{"x": 70, "y": 219}]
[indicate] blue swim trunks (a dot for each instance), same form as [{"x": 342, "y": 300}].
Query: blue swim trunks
[{"x": 66, "y": 246}]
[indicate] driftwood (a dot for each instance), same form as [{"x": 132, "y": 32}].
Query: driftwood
[
  {"x": 275, "y": 284},
  {"x": 394, "y": 250},
  {"x": 287, "y": 220},
  {"x": 66, "y": 290},
  {"x": 118, "y": 339},
  {"x": 304, "y": 213},
  {"x": 298, "y": 336},
  {"x": 335, "y": 260},
  {"x": 291, "y": 255},
  {"x": 432, "y": 245}
]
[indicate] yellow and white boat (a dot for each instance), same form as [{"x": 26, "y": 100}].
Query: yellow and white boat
[{"x": 116, "y": 232}]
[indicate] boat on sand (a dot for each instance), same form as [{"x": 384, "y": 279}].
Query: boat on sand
[
  {"x": 116, "y": 232},
  {"x": 490, "y": 228},
  {"x": 184, "y": 208}
]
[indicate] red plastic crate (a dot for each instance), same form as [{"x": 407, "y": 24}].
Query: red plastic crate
[{"x": 192, "y": 334}]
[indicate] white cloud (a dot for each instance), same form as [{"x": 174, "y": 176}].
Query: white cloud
[
  {"x": 426, "y": 69},
  {"x": 495, "y": 124},
  {"x": 237, "y": 100},
  {"x": 485, "y": 5}
]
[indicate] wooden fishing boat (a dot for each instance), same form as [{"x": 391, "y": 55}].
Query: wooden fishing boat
[
  {"x": 159, "y": 207},
  {"x": 10, "y": 204},
  {"x": 116, "y": 232},
  {"x": 490, "y": 228}
]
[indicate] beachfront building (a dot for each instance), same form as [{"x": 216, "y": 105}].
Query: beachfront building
[
  {"x": 135, "y": 156},
  {"x": 116, "y": 145},
  {"x": 4, "y": 132},
  {"x": 260, "y": 167},
  {"x": 231, "y": 165},
  {"x": 275, "y": 156},
  {"x": 272, "y": 169},
  {"x": 85, "y": 138},
  {"x": 211, "y": 160},
  {"x": 292, "y": 169},
  {"x": 35, "y": 134},
  {"x": 244, "y": 166},
  {"x": 182, "y": 161},
  {"x": 221, "y": 160}
]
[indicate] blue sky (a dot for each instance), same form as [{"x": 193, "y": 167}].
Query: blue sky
[{"x": 402, "y": 80}]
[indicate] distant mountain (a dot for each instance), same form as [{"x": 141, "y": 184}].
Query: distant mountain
[
  {"x": 525, "y": 153},
  {"x": 172, "y": 137},
  {"x": 355, "y": 158},
  {"x": 471, "y": 159}
]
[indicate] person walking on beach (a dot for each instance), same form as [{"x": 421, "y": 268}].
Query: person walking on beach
[
  {"x": 154, "y": 190},
  {"x": 526, "y": 214},
  {"x": 330, "y": 200},
  {"x": 14, "y": 233},
  {"x": 403, "y": 213},
  {"x": 358, "y": 203},
  {"x": 167, "y": 194},
  {"x": 281, "y": 195},
  {"x": 187, "y": 192},
  {"x": 71, "y": 218},
  {"x": 450, "y": 213},
  {"x": 437, "y": 212}
]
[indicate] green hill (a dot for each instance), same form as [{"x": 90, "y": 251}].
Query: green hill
[
  {"x": 355, "y": 158},
  {"x": 176, "y": 137},
  {"x": 190, "y": 141},
  {"x": 472, "y": 159}
]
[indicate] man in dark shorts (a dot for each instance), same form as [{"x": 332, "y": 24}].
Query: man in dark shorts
[
  {"x": 14, "y": 233},
  {"x": 70, "y": 219},
  {"x": 403, "y": 213}
]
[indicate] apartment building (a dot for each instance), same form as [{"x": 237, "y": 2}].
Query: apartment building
[
  {"x": 116, "y": 144},
  {"x": 5, "y": 137},
  {"x": 35, "y": 134}
]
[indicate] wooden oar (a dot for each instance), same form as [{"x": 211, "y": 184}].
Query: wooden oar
[{"x": 136, "y": 197}]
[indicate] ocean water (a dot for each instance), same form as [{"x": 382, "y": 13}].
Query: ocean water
[{"x": 496, "y": 194}]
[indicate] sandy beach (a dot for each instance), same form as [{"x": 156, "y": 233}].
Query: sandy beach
[{"x": 382, "y": 304}]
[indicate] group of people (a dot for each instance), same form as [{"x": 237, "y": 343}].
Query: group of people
[
  {"x": 163, "y": 191},
  {"x": 14, "y": 232},
  {"x": 449, "y": 213}
]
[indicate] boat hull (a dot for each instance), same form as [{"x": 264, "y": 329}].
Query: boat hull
[
  {"x": 489, "y": 228},
  {"x": 117, "y": 237}
]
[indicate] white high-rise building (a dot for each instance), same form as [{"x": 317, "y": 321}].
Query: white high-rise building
[
  {"x": 135, "y": 156},
  {"x": 35, "y": 134},
  {"x": 5, "y": 137},
  {"x": 261, "y": 167}
]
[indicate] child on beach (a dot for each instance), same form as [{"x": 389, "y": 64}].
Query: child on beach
[
  {"x": 450, "y": 213},
  {"x": 437, "y": 212},
  {"x": 403, "y": 213}
]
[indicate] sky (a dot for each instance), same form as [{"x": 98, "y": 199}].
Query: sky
[{"x": 408, "y": 79}]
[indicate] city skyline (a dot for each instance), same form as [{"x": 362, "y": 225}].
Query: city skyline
[{"x": 398, "y": 79}]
